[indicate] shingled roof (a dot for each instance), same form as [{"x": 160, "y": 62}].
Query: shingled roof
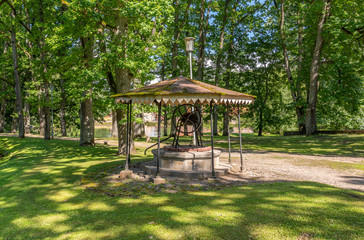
[{"x": 183, "y": 90}]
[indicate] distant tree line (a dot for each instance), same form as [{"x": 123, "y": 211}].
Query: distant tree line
[{"x": 302, "y": 59}]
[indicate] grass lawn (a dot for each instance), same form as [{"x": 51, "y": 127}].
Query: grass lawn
[
  {"x": 335, "y": 144},
  {"x": 41, "y": 198}
]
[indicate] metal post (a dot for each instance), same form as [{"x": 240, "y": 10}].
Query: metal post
[
  {"x": 241, "y": 151},
  {"x": 228, "y": 126},
  {"x": 190, "y": 64},
  {"x": 193, "y": 109},
  {"x": 159, "y": 136},
  {"x": 127, "y": 137},
  {"x": 52, "y": 110},
  {"x": 130, "y": 127},
  {"x": 212, "y": 143}
]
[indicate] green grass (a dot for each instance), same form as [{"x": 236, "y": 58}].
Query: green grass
[
  {"x": 41, "y": 198},
  {"x": 336, "y": 144},
  {"x": 329, "y": 164}
]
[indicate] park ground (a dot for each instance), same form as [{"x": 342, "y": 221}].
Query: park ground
[{"x": 303, "y": 192}]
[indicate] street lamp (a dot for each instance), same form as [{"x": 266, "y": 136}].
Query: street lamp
[{"x": 189, "y": 49}]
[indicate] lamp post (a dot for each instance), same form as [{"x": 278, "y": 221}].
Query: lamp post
[{"x": 189, "y": 49}]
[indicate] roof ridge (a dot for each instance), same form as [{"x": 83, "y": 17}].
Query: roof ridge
[
  {"x": 162, "y": 88},
  {"x": 192, "y": 80},
  {"x": 206, "y": 87}
]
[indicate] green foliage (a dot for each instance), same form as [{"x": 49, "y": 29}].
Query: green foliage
[{"x": 49, "y": 37}]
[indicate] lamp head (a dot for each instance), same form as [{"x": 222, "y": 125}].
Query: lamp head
[{"x": 189, "y": 43}]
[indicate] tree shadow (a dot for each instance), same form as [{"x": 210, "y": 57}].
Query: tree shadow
[
  {"x": 41, "y": 198},
  {"x": 354, "y": 180}
]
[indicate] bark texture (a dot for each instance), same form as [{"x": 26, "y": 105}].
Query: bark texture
[
  {"x": 203, "y": 26},
  {"x": 219, "y": 59},
  {"x": 295, "y": 88},
  {"x": 114, "y": 126},
  {"x": 122, "y": 79},
  {"x": 87, "y": 120},
  {"x": 41, "y": 117},
  {"x": 27, "y": 117},
  {"x": 62, "y": 110},
  {"x": 87, "y": 131},
  {"x": 2, "y": 114},
  {"x": 14, "y": 125},
  {"x": 311, "y": 123},
  {"x": 18, "y": 90}
]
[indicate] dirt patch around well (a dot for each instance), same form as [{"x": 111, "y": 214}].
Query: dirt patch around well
[{"x": 258, "y": 168}]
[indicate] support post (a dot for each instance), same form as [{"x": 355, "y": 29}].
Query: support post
[
  {"x": 159, "y": 136},
  {"x": 241, "y": 150},
  {"x": 126, "y": 173},
  {"x": 127, "y": 137},
  {"x": 228, "y": 126},
  {"x": 129, "y": 130},
  {"x": 193, "y": 109},
  {"x": 212, "y": 142}
]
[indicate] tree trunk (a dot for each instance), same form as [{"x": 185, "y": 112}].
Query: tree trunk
[
  {"x": 62, "y": 111},
  {"x": 87, "y": 120},
  {"x": 42, "y": 44},
  {"x": 2, "y": 114},
  {"x": 219, "y": 59},
  {"x": 123, "y": 84},
  {"x": 87, "y": 131},
  {"x": 18, "y": 91},
  {"x": 122, "y": 77},
  {"x": 260, "y": 124},
  {"x": 300, "y": 110},
  {"x": 41, "y": 117},
  {"x": 27, "y": 117},
  {"x": 114, "y": 126},
  {"x": 225, "y": 130},
  {"x": 178, "y": 26},
  {"x": 176, "y": 34},
  {"x": 201, "y": 41},
  {"x": 14, "y": 125},
  {"x": 295, "y": 89},
  {"x": 311, "y": 124},
  {"x": 203, "y": 25},
  {"x": 47, "y": 112},
  {"x": 139, "y": 128},
  {"x": 175, "y": 39},
  {"x": 227, "y": 83}
]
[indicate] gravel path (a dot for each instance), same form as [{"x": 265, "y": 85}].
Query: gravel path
[{"x": 271, "y": 166}]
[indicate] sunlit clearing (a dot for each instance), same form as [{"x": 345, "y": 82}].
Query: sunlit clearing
[{"x": 61, "y": 196}]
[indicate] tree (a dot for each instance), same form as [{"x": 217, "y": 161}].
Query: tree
[{"x": 311, "y": 123}]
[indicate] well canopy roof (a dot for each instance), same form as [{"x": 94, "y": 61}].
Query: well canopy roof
[{"x": 183, "y": 90}]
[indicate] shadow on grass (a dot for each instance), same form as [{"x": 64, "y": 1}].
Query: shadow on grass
[
  {"x": 40, "y": 198},
  {"x": 326, "y": 145}
]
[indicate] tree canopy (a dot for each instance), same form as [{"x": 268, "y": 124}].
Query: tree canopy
[{"x": 302, "y": 59}]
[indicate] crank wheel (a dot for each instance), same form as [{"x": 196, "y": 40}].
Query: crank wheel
[{"x": 186, "y": 115}]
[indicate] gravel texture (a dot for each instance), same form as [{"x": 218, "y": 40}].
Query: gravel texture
[{"x": 271, "y": 166}]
